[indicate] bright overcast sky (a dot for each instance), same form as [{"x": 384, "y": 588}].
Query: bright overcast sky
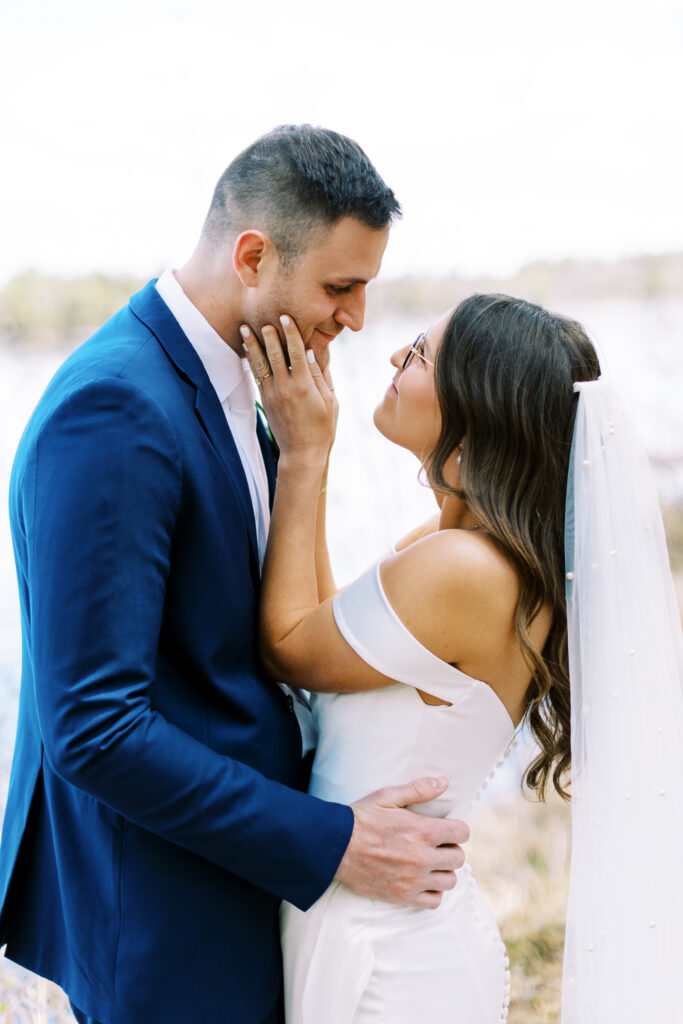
[{"x": 510, "y": 129}]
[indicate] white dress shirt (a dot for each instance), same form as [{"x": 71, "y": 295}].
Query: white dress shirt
[{"x": 232, "y": 381}]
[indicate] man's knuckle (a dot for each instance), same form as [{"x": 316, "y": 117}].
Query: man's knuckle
[
  {"x": 422, "y": 858},
  {"x": 404, "y": 892},
  {"x": 426, "y": 831},
  {"x": 461, "y": 832}
]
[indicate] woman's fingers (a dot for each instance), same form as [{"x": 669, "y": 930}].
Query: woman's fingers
[
  {"x": 302, "y": 360},
  {"x": 297, "y": 398},
  {"x": 258, "y": 362},
  {"x": 271, "y": 366},
  {"x": 295, "y": 346},
  {"x": 316, "y": 373},
  {"x": 328, "y": 377},
  {"x": 269, "y": 357},
  {"x": 323, "y": 381},
  {"x": 299, "y": 357},
  {"x": 274, "y": 352}
]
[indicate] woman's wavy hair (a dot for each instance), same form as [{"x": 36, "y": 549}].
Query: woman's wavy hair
[{"x": 504, "y": 379}]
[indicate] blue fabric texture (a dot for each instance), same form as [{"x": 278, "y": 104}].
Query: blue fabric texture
[
  {"x": 155, "y": 816},
  {"x": 82, "y": 1018}
]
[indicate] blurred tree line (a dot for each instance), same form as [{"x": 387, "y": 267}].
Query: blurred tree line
[
  {"x": 41, "y": 309},
  {"x": 45, "y": 310},
  {"x": 555, "y": 284}
]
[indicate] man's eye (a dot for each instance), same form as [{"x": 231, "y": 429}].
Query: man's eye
[{"x": 339, "y": 290}]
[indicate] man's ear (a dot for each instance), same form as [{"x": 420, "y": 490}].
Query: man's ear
[{"x": 250, "y": 250}]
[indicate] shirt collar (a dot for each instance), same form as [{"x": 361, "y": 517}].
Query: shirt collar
[{"x": 224, "y": 368}]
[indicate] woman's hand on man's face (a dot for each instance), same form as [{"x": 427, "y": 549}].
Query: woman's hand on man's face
[{"x": 296, "y": 393}]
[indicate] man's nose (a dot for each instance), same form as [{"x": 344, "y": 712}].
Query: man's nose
[{"x": 351, "y": 313}]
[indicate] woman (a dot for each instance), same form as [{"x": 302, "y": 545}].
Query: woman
[{"x": 427, "y": 664}]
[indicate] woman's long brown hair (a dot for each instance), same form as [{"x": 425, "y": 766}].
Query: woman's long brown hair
[{"x": 504, "y": 379}]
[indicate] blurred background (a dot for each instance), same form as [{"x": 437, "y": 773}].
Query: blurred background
[{"x": 536, "y": 148}]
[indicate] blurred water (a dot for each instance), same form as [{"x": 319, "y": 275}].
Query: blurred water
[
  {"x": 374, "y": 494},
  {"x": 23, "y": 376}
]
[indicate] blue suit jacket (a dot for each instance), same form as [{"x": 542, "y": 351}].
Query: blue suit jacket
[{"x": 154, "y": 817}]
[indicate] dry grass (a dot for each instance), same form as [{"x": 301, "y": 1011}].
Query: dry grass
[{"x": 519, "y": 853}]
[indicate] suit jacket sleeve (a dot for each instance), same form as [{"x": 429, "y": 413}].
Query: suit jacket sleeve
[{"x": 100, "y": 498}]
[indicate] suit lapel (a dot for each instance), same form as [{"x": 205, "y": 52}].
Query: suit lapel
[{"x": 150, "y": 309}]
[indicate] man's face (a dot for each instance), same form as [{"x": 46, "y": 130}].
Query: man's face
[{"x": 324, "y": 291}]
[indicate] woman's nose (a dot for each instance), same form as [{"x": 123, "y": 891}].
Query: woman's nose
[{"x": 398, "y": 357}]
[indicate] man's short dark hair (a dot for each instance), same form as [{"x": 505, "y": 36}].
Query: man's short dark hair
[{"x": 294, "y": 179}]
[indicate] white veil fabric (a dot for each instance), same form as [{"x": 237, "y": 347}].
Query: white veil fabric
[{"x": 623, "y": 960}]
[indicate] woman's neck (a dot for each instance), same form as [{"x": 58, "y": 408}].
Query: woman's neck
[{"x": 455, "y": 513}]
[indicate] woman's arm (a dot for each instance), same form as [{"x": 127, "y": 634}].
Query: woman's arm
[
  {"x": 302, "y": 413},
  {"x": 450, "y": 588},
  {"x": 300, "y": 642},
  {"x": 323, "y": 569}
]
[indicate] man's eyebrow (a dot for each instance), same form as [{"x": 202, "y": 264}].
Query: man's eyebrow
[{"x": 349, "y": 280}]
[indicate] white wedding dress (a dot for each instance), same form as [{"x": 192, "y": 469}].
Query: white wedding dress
[{"x": 351, "y": 960}]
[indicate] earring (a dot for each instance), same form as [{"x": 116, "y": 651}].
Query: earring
[{"x": 459, "y": 459}]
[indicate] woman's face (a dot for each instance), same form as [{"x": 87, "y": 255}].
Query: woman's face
[{"x": 409, "y": 414}]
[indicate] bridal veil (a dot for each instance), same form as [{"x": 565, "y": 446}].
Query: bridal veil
[{"x": 624, "y": 942}]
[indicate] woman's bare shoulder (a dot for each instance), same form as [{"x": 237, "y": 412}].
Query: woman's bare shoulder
[
  {"x": 457, "y": 559},
  {"x": 452, "y": 589},
  {"x": 423, "y": 530}
]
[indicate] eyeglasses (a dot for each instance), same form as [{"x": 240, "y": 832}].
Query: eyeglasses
[{"x": 416, "y": 349}]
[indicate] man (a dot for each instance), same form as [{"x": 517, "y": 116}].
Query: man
[{"x": 155, "y": 816}]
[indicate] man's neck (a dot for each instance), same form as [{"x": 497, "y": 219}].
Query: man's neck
[{"x": 209, "y": 293}]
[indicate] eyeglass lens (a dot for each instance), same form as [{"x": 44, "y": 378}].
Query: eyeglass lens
[{"x": 414, "y": 350}]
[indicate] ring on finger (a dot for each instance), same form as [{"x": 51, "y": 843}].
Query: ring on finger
[{"x": 260, "y": 380}]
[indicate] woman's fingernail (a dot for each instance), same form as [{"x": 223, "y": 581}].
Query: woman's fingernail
[
  {"x": 284, "y": 320},
  {"x": 310, "y": 355},
  {"x": 244, "y": 331}
]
